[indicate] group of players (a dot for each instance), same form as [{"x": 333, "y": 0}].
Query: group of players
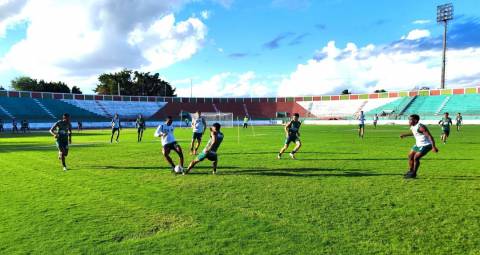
[{"x": 424, "y": 141}]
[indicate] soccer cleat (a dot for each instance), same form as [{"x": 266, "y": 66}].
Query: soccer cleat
[
  {"x": 292, "y": 155},
  {"x": 410, "y": 175},
  {"x": 64, "y": 168},
  {"x": 279, "y": 156}
]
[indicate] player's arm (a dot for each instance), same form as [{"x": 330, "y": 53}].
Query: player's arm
[
  {"x": 52, "y": 130},
  {"x": 426, "y": 132},
  {"x": 69, "y": 133},
  {"x": 287, "y": 127},
  {"x": 204, "y": 125},
  {"x": 213, "y": 135},
  {"x": 406, "y": 134}
]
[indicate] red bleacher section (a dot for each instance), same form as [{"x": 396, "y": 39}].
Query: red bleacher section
[{"x": 256, "y": 110}]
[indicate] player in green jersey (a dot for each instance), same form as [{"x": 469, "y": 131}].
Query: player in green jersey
[
  {"x": 459, "y": 120},
  {"x": 292, "y": 131},
  {"x": 141, "y": 126},
  {"x": 210, "y": 151},
  {"x": 445, "y": 123},
  {"x": 62, "y": 131}
]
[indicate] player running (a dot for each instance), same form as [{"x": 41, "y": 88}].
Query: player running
[
  {"x": 459, "y": 120},
  {"x": 375, "y": 120},
  {"x": 424, "y": 142},
  {"x": 199, "y": 125},
  {"x": 62, "y": 131},
  {"x": 115, "y": 127},
  {"x": 445, "y": 123},
  {"x": 361, "y": 125},
  {"x": 165, "y": 132},
  {"x": 292, "y": 131},
  {"x": 141, "y": 126},
  {"x": 210, "y": 151}
]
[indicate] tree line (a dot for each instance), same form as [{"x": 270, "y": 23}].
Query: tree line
[{"x": 129, "y": 82}]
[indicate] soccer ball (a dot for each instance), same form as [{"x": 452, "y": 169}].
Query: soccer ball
[{"x": 178, "y": 169}]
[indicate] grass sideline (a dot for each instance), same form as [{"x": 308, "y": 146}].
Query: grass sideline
[{"x": 343, "y": 195}]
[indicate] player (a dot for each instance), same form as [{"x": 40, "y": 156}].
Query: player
[
  {"x": 292, "y": 131},
  {"x": 361, "y": 125},
  {"x": 24, "y": 126},
  {"x": 80, "y": 126},
  {"x": 210, "y": 151},
  {"x": 445, "y": 123},
  {"x": 116, "y": 125},
  {"x": 165, "y": 132},
  {"x": 424, "y": 142},
  {"x": 199, "y": 126},
  {"x": 14, "y": 126},
  {"x": 459, "y": 120},
  {"x": 1, "y": 126},
  {"x": 245, "y": 122},
  {"x": 141, "y": 126},
  {"x": 375, "y": 120},
  {"x": 62, "y": 131}
]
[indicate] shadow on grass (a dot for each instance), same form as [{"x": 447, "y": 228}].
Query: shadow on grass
[
  {"x": 298, "y": 172},
  {"x": 382, "y": 159},
  {"x": 276, "y": 152},
  {"x": 156, "y": 168},
  {"x": 16, "y": 147},
  {"x": 457, "y": 178}
]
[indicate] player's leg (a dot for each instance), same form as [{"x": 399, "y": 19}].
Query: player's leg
[
  {"x": 192, "y": 143},
  {"x": 416, "y": 162},
  {"x": 284, "y": 148},
  {"x": 178, "y": 149},
  {"x": 118, "y": 134},
  {"x": 192, "y": 165},
  {"x": 214, "y": 166},
  {"x": 298, "y": 144},
  {"x": 198, "y": 142},
  {"x": 411, "y": 157},
  {"x": 166, "y": 154},
  {"x": 113, "y": 133}
]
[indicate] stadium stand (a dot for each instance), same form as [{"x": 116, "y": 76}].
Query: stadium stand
[
  {"x": 25, "y": 108},
  {"x": 126, "y": 109},
  {"x": 44, "y": 107},
  {"x": 58, "y": 108}
]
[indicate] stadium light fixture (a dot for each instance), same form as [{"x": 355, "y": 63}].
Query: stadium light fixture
[{"x": 444, "y": 14}]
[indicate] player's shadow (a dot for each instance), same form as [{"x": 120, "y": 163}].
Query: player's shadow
[
  {"x": 15, "y": 147},
  {"x": 153, "y": 168},
  {"x": 382, "y": 159},
  {"x": 276, "y": 152},
  {"x": 457, "y": 178},
  {"x": 307, "y": 172}
]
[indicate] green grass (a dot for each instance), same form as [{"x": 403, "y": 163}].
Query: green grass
[{"x": 342, "y": 196}]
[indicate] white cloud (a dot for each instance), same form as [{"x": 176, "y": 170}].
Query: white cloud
[
  {"x": 205, "y": 14},
  {"x": 372, "y": 67},
  {"x": 74, "y": 41},
  {"x": 225, "y": 85},
  {"x": 417, "y": 34},
  {"x": 421, "y": 21}
]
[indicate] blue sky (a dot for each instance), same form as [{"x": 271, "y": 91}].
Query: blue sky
[{"x": 241, "y": 48}]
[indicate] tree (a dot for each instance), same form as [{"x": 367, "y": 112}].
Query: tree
[
  {"x": 76, "y": 90},
  {"x": 346, "y": 92},
  {"x": 379, "y": 91},
  {"x": 25, "y": 83},
  {"x": 133, "y": 83}
]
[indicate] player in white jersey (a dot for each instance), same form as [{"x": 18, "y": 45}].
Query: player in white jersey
[
  {"x": 361, "y": 125},
  {"x": 199, "y": 126},
  {"x": 375, "y": 120},
  {"x": 424, "y": 142},
  {"x": 165, "y": 132},
  {"x": 115, "y": 127}
]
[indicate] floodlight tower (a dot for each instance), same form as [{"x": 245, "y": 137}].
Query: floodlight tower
[{"x": 444, "y": 14}]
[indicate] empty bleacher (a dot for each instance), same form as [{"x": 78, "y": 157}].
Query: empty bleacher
[
  {"x": 58, "y": 108},
  {"x": 126, "y": 109},
  {"x": 25, "y": 108}
]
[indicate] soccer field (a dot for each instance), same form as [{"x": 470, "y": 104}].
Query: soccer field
[{"x": 342, "y": 195}]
